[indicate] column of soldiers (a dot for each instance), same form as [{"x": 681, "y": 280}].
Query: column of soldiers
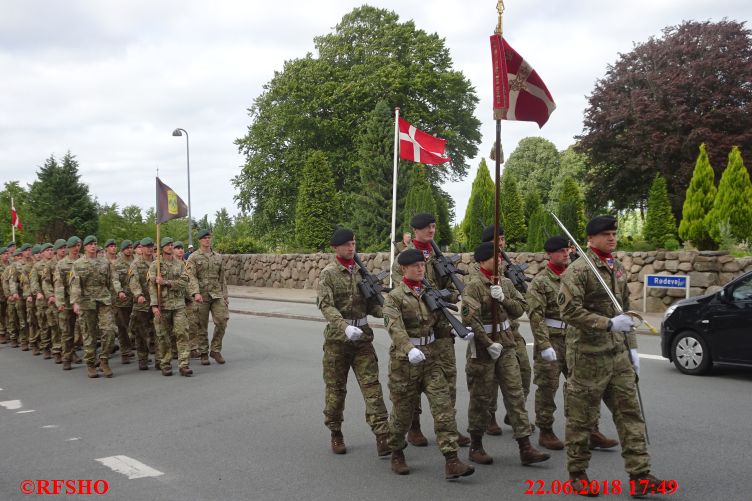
[
  {"x": 577, "y": 332},
  {"x": 58, "y": 298}
]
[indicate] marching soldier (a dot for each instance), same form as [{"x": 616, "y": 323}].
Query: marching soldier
[
  {"x": 208, "y": 288},
  {"x": 190, "y": 306},
  {"x": 67, "y": 319},
  {"x": 38, "y": 272},
  {"x": 142, "y": 319},
  {"x": 348, "y": 344},
  {"x": 492, "y": 361},
  {"x": 59, "y": 249},
  {"x": 123, "y": 308},
  {"x": 21, "y": 291},
  {"x": 549, "y": 359},
  {"x": 417, "y": 365},
  {"x": 3, "y": 297},
  {"x": 13, "y": 324},
  {"x": 602, "y": 359}
]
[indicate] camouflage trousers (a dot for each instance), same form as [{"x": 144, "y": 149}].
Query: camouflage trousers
[
  {"x": 68, "y": 323},
  {"x": 142, "y": 327},
  {"x": 42, "y": 336},
  {"x": 122, "y": 320},
  {"x": 484, "y": 378},
  {"x": 31, "y": 321},
  {"x": 53, "y": 324},
  {"x": 406, "y": 383},
  {"x": 525, "y": 370},
  {"x": 609, "y": 377},
  {"x": 445, "y": 349},
  {"x": 3, "y": 318},
  {"x": 339, "y": 358},
  {"x": 547, "y": 376},
  {"x": 173, "y": 326},
  {"x": 98, "y": 324},
  {"x": 191, "y": 311},
  {"x": 220, "y": 315},
  {"x": 21, "y": 318}
]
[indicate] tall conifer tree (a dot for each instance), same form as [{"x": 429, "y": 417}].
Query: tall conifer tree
[
  {"x": 480, "y": 207},
  {"x": 733, "y": 203},
  {"x": 660, "y": 223},
  {"x": 316, "y": 209},
  {"x": 698, "y": 203}
]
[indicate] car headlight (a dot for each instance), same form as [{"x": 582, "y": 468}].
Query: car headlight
[{"x": 669, "y": 311}]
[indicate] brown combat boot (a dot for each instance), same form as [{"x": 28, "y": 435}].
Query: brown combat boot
[
  {"x": 493, "y": 427},
  {"x": 125, "y": 358},
  {"x": 414, "y": 435},
  {"x": 399, "y": 466},
  {"x": 35, "y": 350},
  {"x": 24, "y": 347},
  {"x": 455, "y": 468},
  {"x": 599, "y": 441},
  {"x": 195, "y": 354},
  {"x": 166, "y": 370},
  {"x": 217, "y": 356},
  {"x": 58, "y": 358},
  {"x": 205, "y": 359},
  {"x": 338, "y": 443},
  {"x": 477, "y": 454},
  {"x": 47, "y": 354},
  {"x": 143, "y": 365},
  {"x": 644, "y": 484},
  {"x": 529, "y": 454},
  {"x": 104, "y": 366},
  {"x": 548, "y": 439},
  {"x": 14, "y": 343},
  {"x": 382, "y": 444},
  {"x": 581, "y": 484},
  {"x": 67, "y": 365},
  {"x": 462, "y": 440},
  {"x": 91, "y": 371},
  {"x": 185, "y": 371}
]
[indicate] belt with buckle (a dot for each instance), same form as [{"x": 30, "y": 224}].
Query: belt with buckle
[
  {"x": 422, "y": 341},
  {"x": 357, "y": 323},
  {"x": 556, "y": 324},
  {"x": 503, "y": 326}
]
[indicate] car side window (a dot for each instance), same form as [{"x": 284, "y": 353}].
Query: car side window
[{"x": 743, "y": 290}]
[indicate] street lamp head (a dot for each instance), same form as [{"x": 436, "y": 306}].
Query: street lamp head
[{"x": 177, "y": 132}]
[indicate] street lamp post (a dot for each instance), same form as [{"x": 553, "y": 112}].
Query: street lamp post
[{"x": 180, "y": 132}]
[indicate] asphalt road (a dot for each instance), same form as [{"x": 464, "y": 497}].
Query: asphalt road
[{"x": 253, "y": 429}]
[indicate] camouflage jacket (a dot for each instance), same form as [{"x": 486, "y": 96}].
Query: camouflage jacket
[
  {"x": 62, "y": 280},
  {"x": 173, "y": 292},
  {"x": 122, "y": 266},
  {"x": 94, "y": 281},
  {"x": 339, "y": 299},
  {"x": 406, "y": 315},
  {"x": 20, "y": 278},
  {"x": 4, "y": 289},
  {"x": 542, "y": 304},
  {"x": 37, "y": 277},
  {"x": 207, "y": 275},
  {"x": 586, "y": 307},
  {"x": 138, "y": 283},
  {"x": 477, "y": 312}
]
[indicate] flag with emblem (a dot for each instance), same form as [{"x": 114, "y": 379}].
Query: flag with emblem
[{"x": 169, "y": 204}]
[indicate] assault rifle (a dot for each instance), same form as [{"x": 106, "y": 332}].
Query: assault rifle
[
  {"x": 436, "y": 300},
  {"x": 371, "y": 286},
  {"x": 516, "y": 273},
  {"x": 445, "y": 267}
]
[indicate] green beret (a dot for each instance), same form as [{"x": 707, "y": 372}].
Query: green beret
[
  {"x": 60, "y": 242},
  {"x": 24, "y": 247},
  {"x": 202, "y": 233},
  {"x": 178, "y": 244},
  {"x": 125, "y": 244},
  {"x": 341, "y": 236},
  {"x": 73, "y": 241},
  {"x": 110, "y": 241},
  {"x": 410, "y": 256},
  {"x": 165, "y": 241},
  {"x": 90, "y": 239},
  {"x": 600, "y": 224},
  {"x": 17, "y": 253},
  {"x": 11, "y": 244},
  {"x": 421, "y": 220},
  {"x": 488, "y": 231},
  {"x": 3, "y": 250},
  {"x": 484, "y": 252},
  {"x": 45, "y": 246},
  {"x": 555, "y": 243},
  {"x": 136, "y": 243},
  {"x": 146, "y": 242},
  {"x": 36, "y": 249}
]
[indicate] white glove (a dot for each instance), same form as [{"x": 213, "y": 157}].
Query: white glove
[
  {"x": 621, "y": 323},
  {"x": 549, "y": 354},
  {"x": 635, "y": 360},
  {"x": 497, "y": 293},
  {"x": 469, "y": 337},
  {"x": 353, "y": 333},
  {"x": 415, "y": 356},
  {"x": 494, "y": 350}
]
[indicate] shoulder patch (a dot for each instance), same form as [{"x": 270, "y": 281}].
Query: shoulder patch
[
  {"x": 561, "y": 299},
  {"x": 465, "y": 309}
]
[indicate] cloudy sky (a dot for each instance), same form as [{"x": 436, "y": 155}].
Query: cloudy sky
[{"x": 109, "y": 81}]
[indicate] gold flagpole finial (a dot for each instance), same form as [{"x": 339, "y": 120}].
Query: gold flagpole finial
[{"x": 500, "y": 9}]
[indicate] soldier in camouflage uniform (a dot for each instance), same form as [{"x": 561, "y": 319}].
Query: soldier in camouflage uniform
[
  {"x": 12, "y": 323},
  {"x": 93, "y": 284},
  {"x": 3, "y": 297},
  {"x": 20, "y": 289},
  {"x": 67, "y": 320},
  {"x": 424, "y": 228},
  {"x": 32, "y": 319},
  {"x": 550, "y": 347},
  {"x": 123, "y": 308},
  {"x": 59, "y": 250},
  {"x": 38, "y": 272},
  {"x": 348, "y": 344},
  {"x": 208, "y": 288},
  {"x": 491, "y": 360},
  {"x": 142, "y": 319},
  {"x": 191, "y": 312},
  {"x": 416, "y": 366},
  {"x": 403, "y": 244},
  {"x": 602, "y": 358},
  {"x": 169, "y": 308}
]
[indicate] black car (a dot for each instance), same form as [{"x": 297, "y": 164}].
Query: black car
[{"x": 699, "y": 331}]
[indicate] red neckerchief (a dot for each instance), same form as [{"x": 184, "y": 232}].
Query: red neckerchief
[
  {"x": 486, "y": 273},
  {"x": 556, "y": 269},
  {"x": 349, "y": 264},
  {"x": 413, "y": 284},
  {"x": 424, "y": 247},
  {"x": 606, "y": 257}
]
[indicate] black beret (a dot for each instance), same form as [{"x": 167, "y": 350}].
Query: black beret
[
  {"x": 421, "y": 220},
  {"x": 341, "y": 236},
  {"x": 555, "y": 243},
  {"x": 410, "y": 256},
  {"x": 484, "y": 252},
  {"x": 488, "y": 232},
  {"x": 601, "y": 223}
]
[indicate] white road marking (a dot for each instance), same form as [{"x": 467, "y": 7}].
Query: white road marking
[
  {"x": 72, "y": 439},
  {"x": 11, "y": 404},
  {"x": 49, "y": 426},
  {"x": 129, "y": 467},
  {"x": 25, "y": 412}
]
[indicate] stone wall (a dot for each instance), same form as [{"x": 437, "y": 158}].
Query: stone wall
[{"x": 708, "y": 271}]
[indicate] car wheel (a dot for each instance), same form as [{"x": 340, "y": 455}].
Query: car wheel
[{"x": 691, "y": 354}]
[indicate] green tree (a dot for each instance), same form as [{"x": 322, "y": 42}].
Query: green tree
[
  {"x": 480, "y": 207},
  {"x": 535, "y": 165},
  {"x": 60, "y": 203},
  {"x": 19, "y": 195},
  {"x": 444, "y": 216},
  {"x": 419, "y": 199},
  {"x": 660, "y": 223},
  {"x": 571, "y": 209},
  {"x": 512, "y": 212},
  {"x": 321, "y": 102},
  {"x": 536, "y": 222},
  {"x": 110, "y": 224},
  {"x": 698, "y": 203},
  {"x": 733, "y": 203},
  {"x": 314, "y": 214}
]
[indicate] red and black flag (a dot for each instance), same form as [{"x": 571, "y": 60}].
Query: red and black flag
[{"x": 169, "y": 204}]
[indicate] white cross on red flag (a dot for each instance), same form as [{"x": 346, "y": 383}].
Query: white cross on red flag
[
  {"x": 14, "y": 221},
  {"x": 418, "y": 146}
]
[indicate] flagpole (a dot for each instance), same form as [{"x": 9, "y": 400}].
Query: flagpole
[
  {"x": 159, "y": 287},
  {"x": 394, "y": 192},
  {"x": 12, "y": 226},
  {"x": 497, "y": 193}
]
